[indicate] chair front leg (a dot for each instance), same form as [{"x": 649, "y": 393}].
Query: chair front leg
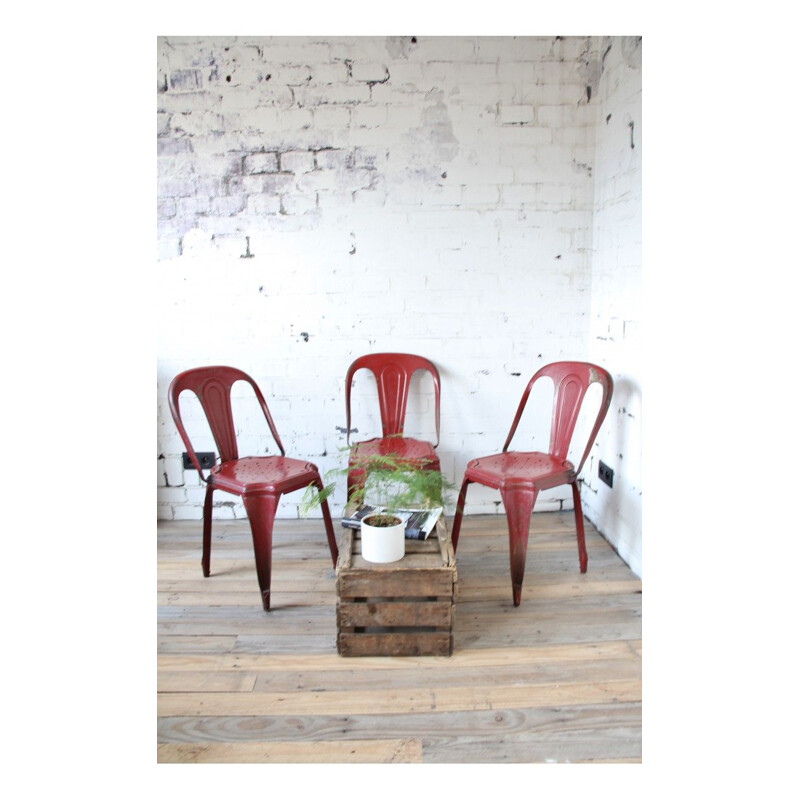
[
  {"x": 326, "y": 516},
  {"x": 576, "y": 500},
  {"x": 261, "y": 508},
  {"x": 462, "y": 497},
  {"x": 518, "y": 502},
  {"x": 207, "y": 511}
]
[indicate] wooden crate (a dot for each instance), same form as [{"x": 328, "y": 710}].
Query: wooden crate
[{"x": 400, "y": 609}]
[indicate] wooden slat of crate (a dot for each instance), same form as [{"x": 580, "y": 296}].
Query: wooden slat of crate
[
  {"x": 437, "y": 613},
  {"x": 425, "y": 643},
  {"x": 398, "y": 609},
  {"x": 360, "y": 582}
]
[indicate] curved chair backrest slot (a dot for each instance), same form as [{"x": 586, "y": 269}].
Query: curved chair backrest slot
[{"x": 393, "y": 373}]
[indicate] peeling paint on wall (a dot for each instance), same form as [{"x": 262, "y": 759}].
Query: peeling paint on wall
[{"x": 433, "y": 144}]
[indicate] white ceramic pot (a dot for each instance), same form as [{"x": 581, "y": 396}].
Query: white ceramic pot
[{"x": 382, "y": 545}]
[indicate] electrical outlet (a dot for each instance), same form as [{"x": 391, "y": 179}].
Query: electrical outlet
[
  {"x": 606, "y": 474},
  {"x": 207, "y": 460}
]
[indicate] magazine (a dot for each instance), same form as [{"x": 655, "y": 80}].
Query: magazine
[{"x": 419, "y": 521}]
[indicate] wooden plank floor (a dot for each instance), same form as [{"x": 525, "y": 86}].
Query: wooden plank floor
[{"x": 557, "y": 679}]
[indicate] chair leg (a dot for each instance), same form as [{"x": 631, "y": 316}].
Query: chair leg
[
  {"x": 576, "y": 500},
  {"x": 518, "y": 502},
  {"x": 326, "y": 516},
  {"x": 462, "y": 497},
  {"x": 207, "y": 511},
  {"x": 261, "y": 508}
]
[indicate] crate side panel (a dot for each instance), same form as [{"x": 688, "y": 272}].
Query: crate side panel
[{"x": 435, "y": 614}]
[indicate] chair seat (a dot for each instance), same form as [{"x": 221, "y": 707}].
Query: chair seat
[
  {"x": 263, "y": 473},
  {"x": 414, "y": 450},
  {"x": 540, "y": 470}
]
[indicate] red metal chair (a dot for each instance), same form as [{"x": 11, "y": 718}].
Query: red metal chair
[
  {"x": 392, "y": 373},
  {"x": 259, "y": 480},
  {"x": 520, "y": 476}
]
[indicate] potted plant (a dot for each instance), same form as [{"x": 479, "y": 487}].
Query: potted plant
[{"x": 391, "y": 486}]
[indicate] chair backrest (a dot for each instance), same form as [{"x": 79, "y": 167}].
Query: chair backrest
[
  {"x": 393, "y": 373},
  {"x": 212, "y": 385},
  {"x": 571, "y": 380}
]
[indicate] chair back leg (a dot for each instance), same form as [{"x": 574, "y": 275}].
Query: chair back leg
[
  {"x": 518, "y": 502},
  {"x": 462, "y": 497},
  {"x": 207, "y": 511},
  {"x": 261, "y": 508},
  {"x": 576, "y": 500}
]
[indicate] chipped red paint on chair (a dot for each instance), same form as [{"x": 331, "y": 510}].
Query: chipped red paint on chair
[
  {"x": 520, "y": 476},
  {"x": 392, "y": 373},
  {"x": 258, "y": 480}
]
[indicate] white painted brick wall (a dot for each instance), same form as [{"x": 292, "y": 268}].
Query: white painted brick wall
[
  {"x": 321, "y": 199},
  {"x": 616, "y": 297}
]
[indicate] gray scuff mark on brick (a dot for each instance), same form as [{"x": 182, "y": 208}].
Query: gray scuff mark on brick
[
  {"x": 632, "y": 51},
  {"x": 186, "y": 80},
  {"x": 364, "y": 158},
  {"x": 228, "y": 206},
  {"x": 297, "y": 161},
  {"x": 333, "y": 158},
  {"x": 167, "y": 208},
  {"x": 590, "y": 69},
  {"x": 163, "y": 124},
  {"x": 400, "y": 46},
  {"x": 260, "y": 163},
  {"x": 173, "y": 147},
  {"x": 582, "y": 166},
  {"x": 439, "y": 126},
  {"x": 433, "y": 144}
]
